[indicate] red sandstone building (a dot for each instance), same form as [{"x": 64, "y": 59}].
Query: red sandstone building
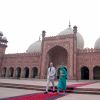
[{"x": 67, "y": 47}]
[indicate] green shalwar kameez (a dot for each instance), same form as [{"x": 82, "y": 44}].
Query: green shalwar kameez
[{"x": 62, "y": 79}]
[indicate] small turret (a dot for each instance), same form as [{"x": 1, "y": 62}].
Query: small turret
[
  {"x": 43, "y": 34},
  {"x": 75, "y": 29}
]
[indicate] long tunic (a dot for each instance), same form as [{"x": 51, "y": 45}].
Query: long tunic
[{"x": 62, "y": 79}]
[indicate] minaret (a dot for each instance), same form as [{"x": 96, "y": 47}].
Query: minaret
[
  {"x": 75, "y": 75},
  {"x": 3, "y": 44},
  {"x": 41, "y": 58}
]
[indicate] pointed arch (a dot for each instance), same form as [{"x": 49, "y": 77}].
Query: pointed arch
[
  {"x": 26, "y": 72},
  {"x": 4, "y": 69},
  {"x": 34, "y": 72},
  {"x": 84, "y": 73},
  {"x": 11, "y": 71},
  {"x": 96, "y": 73},
  {"x": 18, "y": 72},
  {"x": 57, "y": 55}
]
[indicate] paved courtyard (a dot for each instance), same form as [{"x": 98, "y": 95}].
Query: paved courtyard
[
  {"x": 79, "y": 97},
  {"x": 10, "y": 92}
]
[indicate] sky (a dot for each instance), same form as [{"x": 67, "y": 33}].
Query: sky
[{"x": 22, "y": 21}]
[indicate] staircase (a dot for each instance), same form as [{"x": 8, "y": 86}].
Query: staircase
[
  {"x": 70, "y": 89},
  {"x": 94, "y": 91},
  {"x": 22, "y": 86}
]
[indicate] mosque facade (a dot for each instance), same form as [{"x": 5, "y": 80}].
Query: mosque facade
[{"x": 66, "y": 48}]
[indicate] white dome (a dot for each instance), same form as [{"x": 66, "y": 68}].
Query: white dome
[
  {"x": 97, "y": 44},
  {"x": 80, "y": 40},
  {"x": 66, "y": 31},
  {"x": 4, "y": 38},
  {"x": 34, "y": 47},
  {"x": 1, "y": 34}
]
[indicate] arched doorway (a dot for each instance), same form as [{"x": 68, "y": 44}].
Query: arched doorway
[
  {"x": 26, "y": 72},
  {"x": 96, "y": 73},
  {"x": 84, "y": 73},
  {"x": 4, "y": 72},
  {"x": 58, "y": 55},
  {"x": 11, "y": 71},
  {"x": 18, "y": 72},
  {"x": 34, "y": 72}
]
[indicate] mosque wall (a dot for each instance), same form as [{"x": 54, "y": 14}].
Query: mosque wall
[
  {"x": 89, "y": 58},
  {"x": 26, "y": 62}
]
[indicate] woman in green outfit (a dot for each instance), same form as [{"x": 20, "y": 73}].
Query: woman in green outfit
[{"x": 62, "y": 74}]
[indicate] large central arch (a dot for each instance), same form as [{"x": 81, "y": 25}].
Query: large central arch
[{"x": 58, "y": 55}]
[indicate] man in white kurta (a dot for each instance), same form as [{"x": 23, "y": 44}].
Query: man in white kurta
[{"x": 50, "y": 76}]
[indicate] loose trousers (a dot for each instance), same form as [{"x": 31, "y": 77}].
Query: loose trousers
[{"x": 48, "y": 83}]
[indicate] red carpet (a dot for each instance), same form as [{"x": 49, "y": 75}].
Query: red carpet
[
  {"x": 49, "y": 96},
  {"x": 37, "y": 96}
]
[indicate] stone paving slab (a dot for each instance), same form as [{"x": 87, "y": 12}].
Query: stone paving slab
[
  {"x": 35, "y": 81},
  {"x": 95, "y": 85},
  {"x": 79, "y": 97},
  {"x": 10, "y": 92}
]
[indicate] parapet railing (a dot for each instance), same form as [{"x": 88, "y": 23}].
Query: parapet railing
[
  {"x": 88, "y": 50},
  {"x": 59, "y": 37},
  {"x": 23, "y": 54}
]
